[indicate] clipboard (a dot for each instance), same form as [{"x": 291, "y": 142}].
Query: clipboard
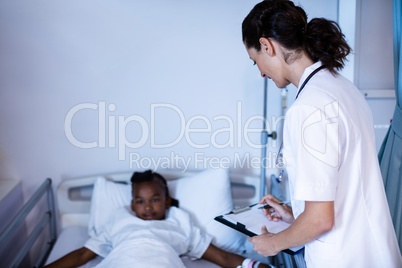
[{"x": 248, "y": 220}]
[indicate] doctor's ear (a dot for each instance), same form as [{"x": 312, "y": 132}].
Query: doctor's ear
[{"x": 267, "y": 46}]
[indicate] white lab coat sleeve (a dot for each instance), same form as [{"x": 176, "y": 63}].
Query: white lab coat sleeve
[{"x": 312, "y": 150}]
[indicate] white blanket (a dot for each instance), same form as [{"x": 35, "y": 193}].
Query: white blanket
[
  {"x": 128, "y": 239},
  {"x": 143, "y": 252}
]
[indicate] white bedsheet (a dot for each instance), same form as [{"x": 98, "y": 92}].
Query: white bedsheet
[{"x": 71, "y": 238}]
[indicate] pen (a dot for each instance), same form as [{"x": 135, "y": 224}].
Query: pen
[{"x": 268, "y": 206}]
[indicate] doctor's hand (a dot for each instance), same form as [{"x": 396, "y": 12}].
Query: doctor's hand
[
  {"x": 263, "y": 243},
  {"x": 281, "y": 212}
]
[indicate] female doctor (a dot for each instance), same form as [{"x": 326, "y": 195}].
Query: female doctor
[{"x": 339, "y": 209}]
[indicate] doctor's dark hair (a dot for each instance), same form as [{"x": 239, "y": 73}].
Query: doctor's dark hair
[
  {"x": 149, "y": 175},
  {"x": 281, "y": 20}
]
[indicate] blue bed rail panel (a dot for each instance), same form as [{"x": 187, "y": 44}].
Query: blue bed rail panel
[{"x": 48, "y": 218}]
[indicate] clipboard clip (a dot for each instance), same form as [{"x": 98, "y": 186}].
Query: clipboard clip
[
  {"x": 242, "y": 209},
  {"x": 241, "y": 226}
]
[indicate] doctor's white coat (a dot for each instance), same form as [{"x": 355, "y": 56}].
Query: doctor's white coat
[{"x": 330, "y": 155}]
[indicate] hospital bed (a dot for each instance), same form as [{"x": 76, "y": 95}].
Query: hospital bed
[{"x": 204, "y": 194}]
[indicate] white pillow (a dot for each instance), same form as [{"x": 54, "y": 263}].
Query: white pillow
[
  {"x": 204, "y": 196},
  {"x": 106, "y": 197}
]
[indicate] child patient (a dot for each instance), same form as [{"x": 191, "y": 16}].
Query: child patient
[{"x": 154, "y": 234}]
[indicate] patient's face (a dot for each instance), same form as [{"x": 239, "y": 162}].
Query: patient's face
[{"x": 149, "y": 200}]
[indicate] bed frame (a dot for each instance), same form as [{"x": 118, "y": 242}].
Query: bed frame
[{"x": 46, "y": 218}]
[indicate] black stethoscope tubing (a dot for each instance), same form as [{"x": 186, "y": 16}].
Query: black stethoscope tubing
[{"x": 279, "y": 155}]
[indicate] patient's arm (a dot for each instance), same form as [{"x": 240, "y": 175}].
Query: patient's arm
[
  {"x": 224, "y": 258},
  {"x": 75, "y": 258}
]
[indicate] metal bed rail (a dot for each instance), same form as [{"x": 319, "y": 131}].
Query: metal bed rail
[{"x": 48, "y": 218}]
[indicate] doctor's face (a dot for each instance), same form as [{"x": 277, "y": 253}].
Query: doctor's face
[
  {"x": 269, "y": 66},
  {"x": 149, "y": 200}
]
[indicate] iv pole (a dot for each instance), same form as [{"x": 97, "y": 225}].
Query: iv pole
[{"x": 264, "y": 141}]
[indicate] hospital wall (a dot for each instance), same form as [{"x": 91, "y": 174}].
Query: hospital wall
[
  {"x": 90, "y": 87},
  {"x": 102, "y": 86}
]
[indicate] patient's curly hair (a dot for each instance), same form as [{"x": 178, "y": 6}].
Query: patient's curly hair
[{"x": 149, "y": 175}]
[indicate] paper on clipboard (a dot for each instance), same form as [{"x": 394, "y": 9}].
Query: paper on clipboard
[
  {"x": 250, "y": 221},
  {"x": 254, "y": 219}
]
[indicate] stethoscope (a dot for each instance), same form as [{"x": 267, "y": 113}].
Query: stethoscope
[{"x": 279, "y": 158}]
